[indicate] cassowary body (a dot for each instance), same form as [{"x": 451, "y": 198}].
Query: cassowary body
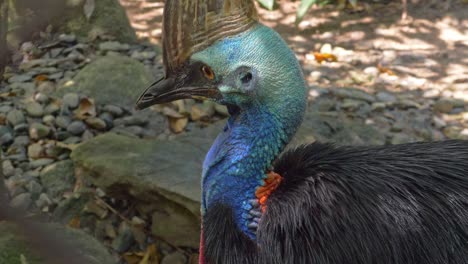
[{"x": 316, "y": 204}]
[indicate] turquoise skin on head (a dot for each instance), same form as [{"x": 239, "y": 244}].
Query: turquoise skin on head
[{"x": 260, "y": 75}]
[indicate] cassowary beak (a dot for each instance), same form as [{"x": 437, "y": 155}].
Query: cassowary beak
[{"x": 167, "y": 90}]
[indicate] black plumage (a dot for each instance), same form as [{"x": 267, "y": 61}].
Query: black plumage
[{"x": 400, "y": 204}]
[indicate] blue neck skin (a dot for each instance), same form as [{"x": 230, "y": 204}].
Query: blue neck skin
[{"x": 236, "y": 164}]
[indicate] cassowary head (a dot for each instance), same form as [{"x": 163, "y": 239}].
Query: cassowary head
[{"x": 216, "y": 49}]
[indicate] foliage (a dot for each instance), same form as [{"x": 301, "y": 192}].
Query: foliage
[{"x": 305, "y": 5}]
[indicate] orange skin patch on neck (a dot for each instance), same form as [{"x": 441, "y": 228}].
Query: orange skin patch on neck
[{"x": 262, "y": 193}]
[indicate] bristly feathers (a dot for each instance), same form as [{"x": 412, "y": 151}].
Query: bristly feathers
[{"x": 389, "y": 205}]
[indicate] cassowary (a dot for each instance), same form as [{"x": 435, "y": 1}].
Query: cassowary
[{"x": 318, "y": 203}]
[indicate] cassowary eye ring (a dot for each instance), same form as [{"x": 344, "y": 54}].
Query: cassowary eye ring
[
  {"x": 207, "y": 72},
  {"x": 246, "y": 78}
]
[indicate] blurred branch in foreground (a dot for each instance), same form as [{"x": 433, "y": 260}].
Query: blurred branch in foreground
[{"x": 3, "y": 34}]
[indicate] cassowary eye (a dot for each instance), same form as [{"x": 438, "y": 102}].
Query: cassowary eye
[
  {"x": 207, "y": 72},
  {"x": 246, "y": 78}
]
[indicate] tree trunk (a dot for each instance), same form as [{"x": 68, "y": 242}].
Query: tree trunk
[{"x": 3, "y": 36}]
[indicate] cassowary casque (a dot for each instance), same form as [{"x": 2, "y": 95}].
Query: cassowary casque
[{"x": 318, "y": 203}]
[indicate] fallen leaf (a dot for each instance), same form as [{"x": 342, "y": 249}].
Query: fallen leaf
[
  {"x": 88, "y": 8},
  {"x": 86, "y": 109},
  {"x": 320, "y": 57},
  {"x": 8, "y": 94},
  {"x": 75, "y": 222},
  {"x": 151, "y": 255},
  {"x": 41, "y": 78},
  {"x": 178, "y": 124},
  {"x": 133, "y": 257},
  {"x": 386, "y": 70}
]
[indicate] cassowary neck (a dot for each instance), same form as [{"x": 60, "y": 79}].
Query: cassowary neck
[{"x": 237, "y": 162}]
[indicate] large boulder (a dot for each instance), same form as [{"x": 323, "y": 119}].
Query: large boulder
[
  {"x": 15, "y": 247},
  {"x": 107, "y": 19},
  {"x": 111, "y": 79},
  {"x": 167, "y": 173}
]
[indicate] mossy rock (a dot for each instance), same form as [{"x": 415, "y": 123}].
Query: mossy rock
[
  {"x": 108, "y": 19},
  {"x": 15, "y": 246},
  {"x": 28, "y": 17},
  {"x": 112, "y": 79}
]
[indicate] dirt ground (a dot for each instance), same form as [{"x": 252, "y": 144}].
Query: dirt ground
[{"x": 427, "y": 52}]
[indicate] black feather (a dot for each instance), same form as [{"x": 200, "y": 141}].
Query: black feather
[{"x": 401, "y": 204}]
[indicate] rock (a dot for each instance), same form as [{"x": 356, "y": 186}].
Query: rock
[
  {"x": 143, "y": 55},
  {"x": 73, "y": 243},
  {"x": 124, "y": 240},
  {"x": 21, "y": 141},
  {"x": 114, "y": 110},
  {"x": 20, "y": 78},
  {"x": 35, "y": 151},
  {"x": 351, "y": 104},
  {"x": 8, "y": 169},
  {"x": 43, "y": 201},
  {"x": 34, "y": 109},
  {"x": 70, "y": 38},
  {"x": 174, "y": 258},
  {"x": 15, "y": 117},
  {"x": 46, "y": 87},
  {"x": 372, "y": 71},
  {"x": 446, "y": 105},
  {"x": 71, "y": 100},
  {"x": 221, "y": 109},
  {"x": 385, "y": 97},
  {"x": 58, "y": 178},
  {"x": 353, "y": 93},
  {"x": 52, "y": 109},
  {"x": 48, "y": 120},
  {"x": 111, "y": 80},
  {"x": 63, "y": 121},
  {"x": 76, "y": 128},
  {"x": 41, "y": 98},
  {"x": 21, "y": 128},
  {"x": 40, "y": 163},
  {"x": 96, "y": 123},
  {"x": 34, "y": 189},
  {"x": 133, "y": 120},
  {"x": 26, "y": 89},
  {"x": 38, "y": 131},
  {"x": 113, "y": 46},
  {"x": 6, "y": 135},
  {"x": 22, "y": 201}
]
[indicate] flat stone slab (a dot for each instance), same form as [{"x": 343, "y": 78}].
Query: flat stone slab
[
  {"x": 112, "y": 79},
  {"x": 15, "y": 248}
]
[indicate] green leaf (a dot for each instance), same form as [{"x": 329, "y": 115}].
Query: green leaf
[
  {"x": 303, "y": 8},
  {"x": 268, "y": 4}
]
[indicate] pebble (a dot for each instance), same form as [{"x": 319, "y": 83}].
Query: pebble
[
  {"x": 21, "y": 128},
  {"x": 20, "y": 78},
  {"x": 43, "y": 201},
  {"x": 113, "y": 46},
  {"x": 15, "y": 117},
  {"x": 71, "y": 100},
  {"x": 38, "y": 131},
  {"x": 133, "y": 120},
  {"x": 46, "y": 87},
  {"x": 21, "y": 141},
  {"x": 70, "y": 38},
  {"x": 51, "y": 109},
  {"x": 49, "y": 120},
  {"x": 21, "y": 201},
  {"x": 143, "y": 55},
  {"x": 174, "y": 258},
  {"x": 34, "y": 189},
  {"x": 113, "y": 110},
  {"x": 5, "y": 108},
  {"x": 41, "y": 98},
  {"x": 76, "y": 128},
  {"x": 96, "y": 123},
  {"x": 34, "y": 109},
  {"x": 35, "y": 151},
  {"x": 353, "y": 93},
  {"x": 385, "y": 97},
  {"x": 40, "y": 163},
  {"x": 107, "y": 117},
  {"x": 124, "y": 239},
  {"x": 8, "y": 169},
  {"x": 63, "y": 121},
  {"x": 6, "y": 135}
]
